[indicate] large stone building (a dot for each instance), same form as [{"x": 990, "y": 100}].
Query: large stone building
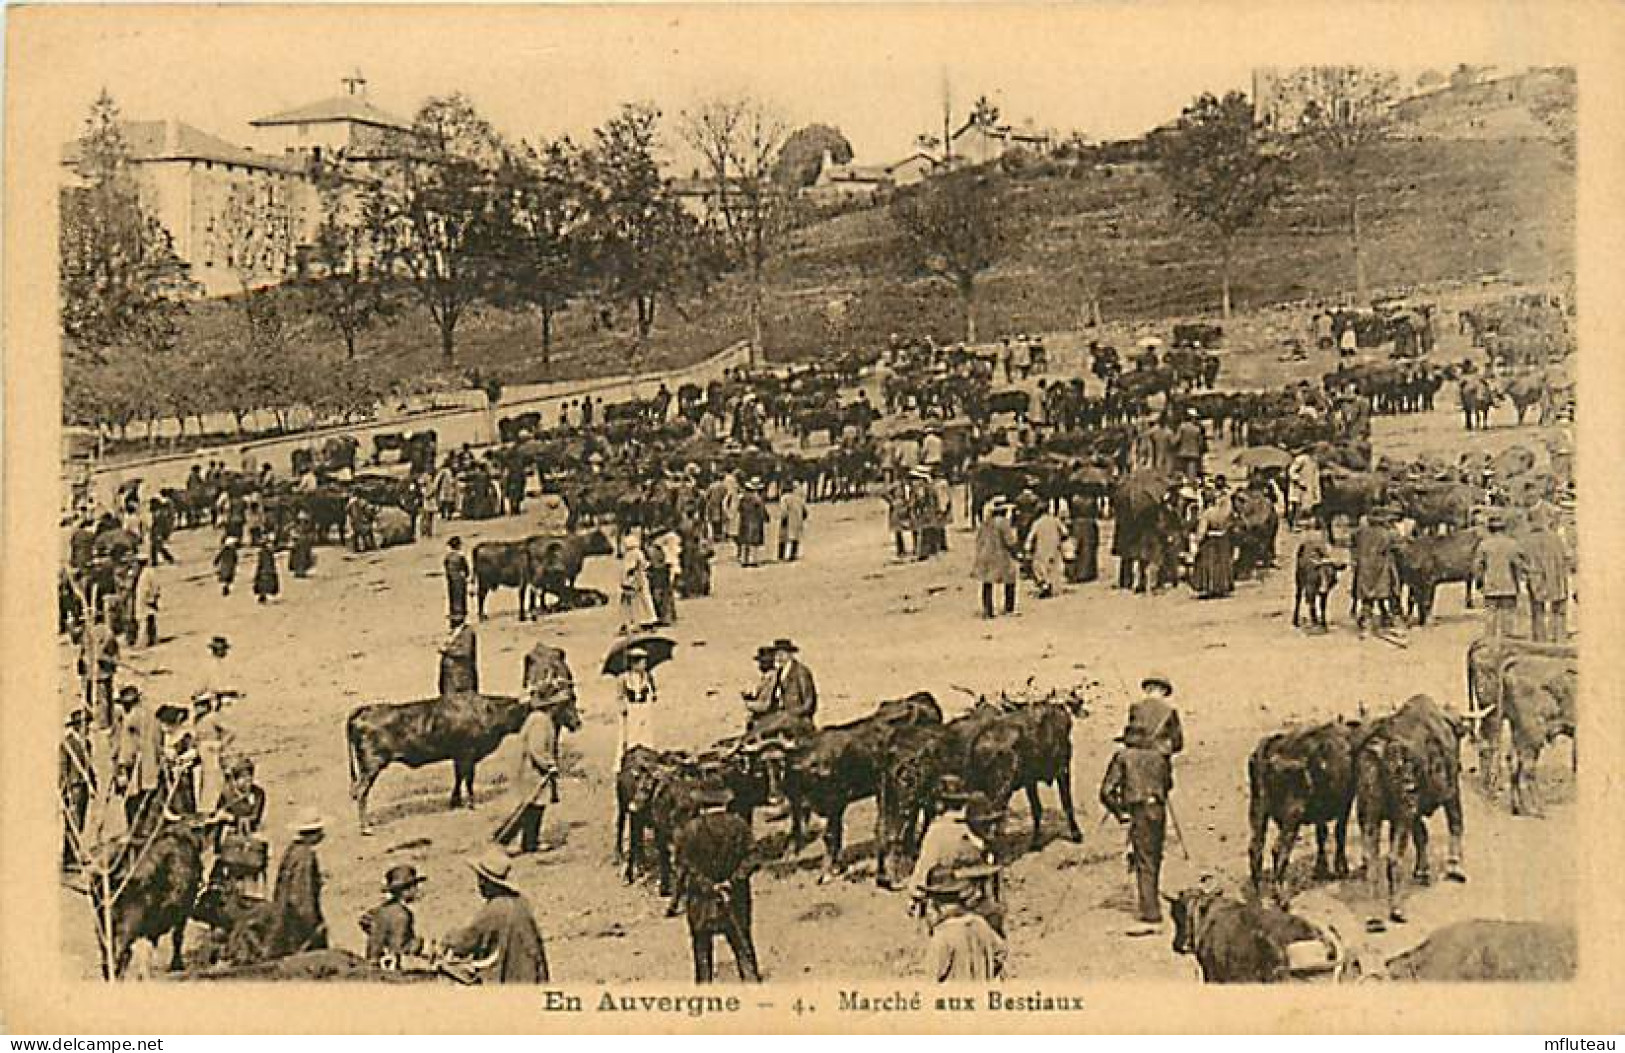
[{"x": 240, "y": 217}]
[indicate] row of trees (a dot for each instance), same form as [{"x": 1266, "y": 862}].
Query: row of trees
[{"x": 462, "y": 217}]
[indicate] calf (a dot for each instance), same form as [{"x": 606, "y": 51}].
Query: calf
[
  {"x": 1294, "y": 777},
  {"x": 1316, "y": 576},
  {"x": 1235, "y": 942}
]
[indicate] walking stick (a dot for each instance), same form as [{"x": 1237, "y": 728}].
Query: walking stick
[{"x": 1179, "y": 834}]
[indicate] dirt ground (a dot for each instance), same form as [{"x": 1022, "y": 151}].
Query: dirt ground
[{"x": 365, "y": 628}]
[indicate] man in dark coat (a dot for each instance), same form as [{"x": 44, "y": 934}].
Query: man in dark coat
[
  {"x": 995, "y": 564},
  {"x": 77, "y": 782},
  {"x": 296, "y": 902},
  {"x": 1153, "y": 718},
  {"x": 390, "y": 927},
  {"x": 795, "y": 694},
  {"x": 1376, "y": 577},
  {"x": 1135, "y": 791},
  {"x": 459, "y": 658},
  {"x": 503, "y": 937},
  {"x": 456, "y": 566},
  {"x": 752, "y": 523},
  {"x": 714, "y": 853},
  {"x": 1190, "y": 445}
]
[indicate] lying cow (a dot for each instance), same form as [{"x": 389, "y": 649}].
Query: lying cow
[
  {"x": 1236, "y": 942},
  {"x": 1407, "y": 767},
  {"x": 841, "y": 764},
  {"x": 463, "y": 728},
  {"x": 1484, "y": 951},
  {"x": 1305, "y": 775},
  {"x": 1315, "y": 574}
]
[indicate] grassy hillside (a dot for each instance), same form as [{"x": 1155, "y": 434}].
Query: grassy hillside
[{"x": 1434, "y": 211}]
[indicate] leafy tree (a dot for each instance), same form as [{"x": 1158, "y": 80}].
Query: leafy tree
[
  {"x": 340, "y": 277},
  {"x": 741, "y": 141},
  {"x": 120, "y": 280},
  {"x": 1344, "y": 121},
  {"x": 1222, "y": 180},
  {"x": 543, "y": 203},
  {"x": 431, "y": 213},
  {"x": 643, "y": 249},
  {"x": 801, "y": 158},
  {"x": 955, "y": 228}
]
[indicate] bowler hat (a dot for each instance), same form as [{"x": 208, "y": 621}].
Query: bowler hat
[
  {"x": 77, "y": 717},
  {"x": 784, "y": 643},
  {"x": 951, "y": 790},
  {"x": 129, "y": 694},
  {"x": 1157, "y": 679},
  {"x": 401, "y": 877}
]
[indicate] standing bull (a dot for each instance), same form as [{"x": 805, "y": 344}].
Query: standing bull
[
  {"x": 1406, "y": 768},
  {"x": 1305, "y": 775},
  {"x": 463, "y": 728}
]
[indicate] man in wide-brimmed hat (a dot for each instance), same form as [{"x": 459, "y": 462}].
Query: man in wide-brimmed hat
[
  {"x": 296, "y": 901},
  {"x": 794, "y": 693},
  {"x": 1153, "y": 717},
  {"x": 964, "y": 947},
  {"x": 759, "y": 698},
  {"x": 503, "y": 940},
  {"x": 714, "y": 851},
  {"x": 536, "y": 782},
  {"x": 138, "y": 757},
  {"x": 390, "y": 928},
  {"x": 961, "y": 837}
]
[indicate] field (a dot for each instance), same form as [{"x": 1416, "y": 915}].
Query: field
[{"x": 365, "y": 628}]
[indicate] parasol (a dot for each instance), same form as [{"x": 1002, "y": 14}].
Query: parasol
[
  {"x": 1264, "y": 457},
  {"x": 659, "y": 648}
]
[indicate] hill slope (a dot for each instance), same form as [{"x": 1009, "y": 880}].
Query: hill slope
[{"x": 1434, "y": 211}]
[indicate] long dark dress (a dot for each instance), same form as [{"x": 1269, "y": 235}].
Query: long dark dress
[
  {"x": 1086, "y": 561},
  {"x": 1213, "y": 574},
  {"x": 266, "y": 582},
  {"x": 302, "y": 551}
]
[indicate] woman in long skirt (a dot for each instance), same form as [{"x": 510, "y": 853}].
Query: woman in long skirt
[
  {"x": 266, "y": 582},
  {"x": 636, "y": 692},
  {"x": 637, "y": 605},
  {"x": 1213, "y": 574}
]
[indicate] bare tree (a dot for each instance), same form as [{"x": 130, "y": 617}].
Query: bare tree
[{"x": 740, "y": 140}]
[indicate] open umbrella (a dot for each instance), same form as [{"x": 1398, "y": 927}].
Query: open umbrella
[
  {"x": 659, "y": 648},
  {"x": 1264, "y": 457}
]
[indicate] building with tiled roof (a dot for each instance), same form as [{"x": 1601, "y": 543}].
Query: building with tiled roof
[{"x": 240, "y": 216}]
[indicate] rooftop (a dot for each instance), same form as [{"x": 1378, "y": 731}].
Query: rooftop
[
  {"x": 172, "y": 140},
  {"x": 352, "y": 107}
]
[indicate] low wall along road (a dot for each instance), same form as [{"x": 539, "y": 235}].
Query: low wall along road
[{"x": 454, "y": 427}]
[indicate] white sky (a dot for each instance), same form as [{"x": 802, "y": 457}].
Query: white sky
[{"x": 877, "y": 72}]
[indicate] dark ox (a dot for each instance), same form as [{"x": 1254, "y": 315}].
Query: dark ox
[
  {"x": 919, "y": 756},
  {"x": 841, "y": 764},
  {"x": 463, "y": 728},
  {"x": 1304, "y": 775},
  {"x": 537, "y": 567},
  {"x": 154, "y": 875},
  {"x": 1347, "y": 494},
  {"x": 1525, "y": 691},
  {"x": 1406, "y": 768},
  {"x": 1235, "y": 942},
  {"x": 1425, "y": 563},
  {"x": 1001, "y": 750},
  {"x": 1315, "y": 576}
]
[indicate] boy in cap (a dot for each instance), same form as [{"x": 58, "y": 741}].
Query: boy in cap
[
  {"x": 964, "y": 947},
  {"x": 390, "y": 927}
]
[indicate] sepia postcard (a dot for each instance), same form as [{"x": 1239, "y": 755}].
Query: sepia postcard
[{"x": 812, "y": 518}]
